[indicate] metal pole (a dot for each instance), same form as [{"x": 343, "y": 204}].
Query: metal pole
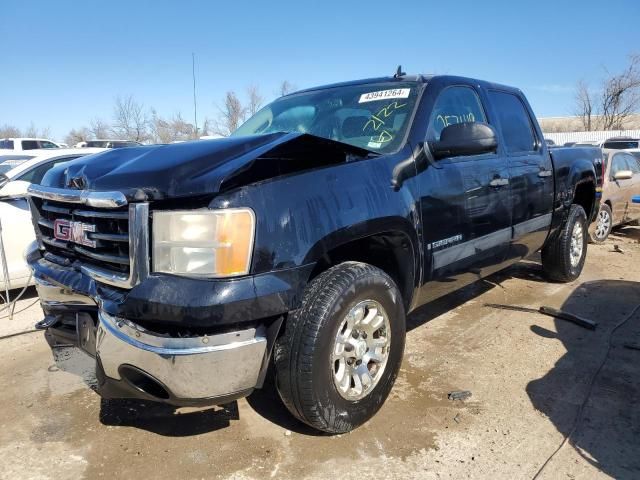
[
  {"x": 5, "y": 272},
  {"x": 195, "y": 108}
]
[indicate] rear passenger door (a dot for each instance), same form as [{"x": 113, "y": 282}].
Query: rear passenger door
[
  {"x": 465, "y": 201},
  {"x": 530, "y": 173}
]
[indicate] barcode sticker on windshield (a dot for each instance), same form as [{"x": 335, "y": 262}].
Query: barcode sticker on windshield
[{"x": 385, "y": 95}]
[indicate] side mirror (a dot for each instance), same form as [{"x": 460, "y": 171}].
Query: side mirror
[
  {"x": 14, "y": 189},
  {"x": 623, "y": 175},
  {"x": 460, "y": 139}
]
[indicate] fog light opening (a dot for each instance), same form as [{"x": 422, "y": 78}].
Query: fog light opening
[{"x": 143, "y": 382}]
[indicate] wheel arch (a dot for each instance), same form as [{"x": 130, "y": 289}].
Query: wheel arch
[{"x": 390, "y": 244}]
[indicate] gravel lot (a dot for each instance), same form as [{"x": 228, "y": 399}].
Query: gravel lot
[{"x": 529, "y": 375}]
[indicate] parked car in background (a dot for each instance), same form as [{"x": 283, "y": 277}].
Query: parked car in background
[
  {"x": 20, "y": 144},
  {"x": 107, "y": 144},
  {"x": 550, "y": 143},
  {"x": 621, "y": 143},
  {"x": 17, "y": 173},
  {"x": 621, "y": 182}
]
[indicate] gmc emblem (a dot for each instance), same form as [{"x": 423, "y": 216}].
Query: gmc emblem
[{"x": 76, "y": 232}]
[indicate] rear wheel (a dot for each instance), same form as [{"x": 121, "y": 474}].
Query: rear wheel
[
  {"x": 601, "y": 229},
  {"x": 563, "y": 258},
  {"x": 341, "y": 351}
]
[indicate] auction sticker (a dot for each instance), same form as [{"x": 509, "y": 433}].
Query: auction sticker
[{"x": 385, "y": 95}]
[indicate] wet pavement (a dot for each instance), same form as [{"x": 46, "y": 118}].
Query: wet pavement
[{"x": 529, "y": 375}]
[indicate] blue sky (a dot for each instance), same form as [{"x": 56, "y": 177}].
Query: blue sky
[{"x": 64, "y": 62}]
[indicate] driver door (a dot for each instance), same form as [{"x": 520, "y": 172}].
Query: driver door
[{"x": 465, "y": 203}]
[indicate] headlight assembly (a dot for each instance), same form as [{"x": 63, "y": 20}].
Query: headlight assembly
[{"x": 208, "y": 243}]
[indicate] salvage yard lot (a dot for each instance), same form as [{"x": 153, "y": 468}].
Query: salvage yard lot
[{"x": 528, "y": 375}]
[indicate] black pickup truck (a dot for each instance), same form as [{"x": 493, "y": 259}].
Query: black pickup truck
[{"x": 303, "y": 240}]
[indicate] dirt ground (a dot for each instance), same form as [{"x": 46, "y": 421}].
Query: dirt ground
[{"x": 529, "y": 376}]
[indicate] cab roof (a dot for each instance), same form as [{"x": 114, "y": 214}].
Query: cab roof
[{"x": 417, "y": 78}]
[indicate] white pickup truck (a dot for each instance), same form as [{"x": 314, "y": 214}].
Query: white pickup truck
[
  {"x": 8, "y": 145},
  {"x": 17, "y": 172}
]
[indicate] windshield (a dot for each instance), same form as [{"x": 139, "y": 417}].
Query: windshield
[{"x": 373, "y": 116}]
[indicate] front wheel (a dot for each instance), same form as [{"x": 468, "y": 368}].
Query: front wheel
[
  {"x": 563, "y": 257},
  {"x": 341, "y": 351},
  {"x": 602, "y": 227}
]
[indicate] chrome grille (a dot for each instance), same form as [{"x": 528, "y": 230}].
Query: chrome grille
[
  {"x": 109, "y": 234},
  {"x": 109, "y": 240}
]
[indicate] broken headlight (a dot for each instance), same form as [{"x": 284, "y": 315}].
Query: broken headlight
[{"x": 211, "y": 243}]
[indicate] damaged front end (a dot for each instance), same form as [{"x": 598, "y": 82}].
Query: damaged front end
[
  {"x": 133, "y": 362},
  {"x": 164, "y": 335}
]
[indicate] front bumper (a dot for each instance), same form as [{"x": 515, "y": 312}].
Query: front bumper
[
  {"x": 132, "y": 362},
  {"x": 180, "y": 370}
]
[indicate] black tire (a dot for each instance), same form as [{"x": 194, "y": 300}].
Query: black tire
[
  {"x": 598, "y": 232},
  {"x": 304, "y": 376},
  {"x": 556, "y": 255}
]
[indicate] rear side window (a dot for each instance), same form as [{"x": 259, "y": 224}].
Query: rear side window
[
  {"x": 515, "y": 123},
  {"x": 6, "y": 144},
  {"x": 621, "y": 144},
  {"x": 458, "y": 104},
  {"x": 30, "y": 144},
  {"x": 47, "y": 144}
]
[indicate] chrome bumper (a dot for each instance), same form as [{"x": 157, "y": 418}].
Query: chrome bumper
[
  {"x": 171, "y": 368},
  {"x": 132, "y": 362}
]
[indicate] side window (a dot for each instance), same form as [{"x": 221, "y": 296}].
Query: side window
[
  {"x": 454, "y": 105},
  {"x": 619, "y": 164},
  {"x": 30, "y": 144},
  {"x": 47, "y": 144},
  {"x": 515, "y": 123},
  {"x": 632, "y": 163}
]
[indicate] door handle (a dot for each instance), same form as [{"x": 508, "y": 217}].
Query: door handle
[
  {"x": 544, "y": 173},
  {"x": 499, "y": 182}
]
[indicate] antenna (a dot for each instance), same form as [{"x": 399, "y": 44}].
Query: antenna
[
  {"x": 195, "y": 107},
  {"x": 399, "y": 72}
]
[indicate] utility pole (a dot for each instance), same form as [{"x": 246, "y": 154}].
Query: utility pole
[{"x": 195, "y": 108}]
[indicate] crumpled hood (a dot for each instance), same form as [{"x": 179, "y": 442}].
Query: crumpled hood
[{"x": 191, "y": 168}]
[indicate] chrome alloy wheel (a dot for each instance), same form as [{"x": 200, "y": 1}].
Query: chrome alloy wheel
[
  {"x": 577, "y": 244},
  {"x": 603, "y": 225},
  {"x": 361, "y": 350}
]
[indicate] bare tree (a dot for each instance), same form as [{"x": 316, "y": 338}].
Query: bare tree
[
  {"x": 620, "y": 96},
  {"x": 174, "y": 129},
  {"x": 584, "y": 105},
  {"x": 255, "y": 100},
  {"x": 130, "y": 121},
  {"x": 33, "y": 132},
  {"x": 617, "y": 99},
  {"x": 77, "y": 135},
  {"x": 286, "y": 87},
  {"x": 9, "y": 131},
  {"x": 206, "y": 128},
  {"x": 99, "y": 128},
  {"x": 232, "y": 114}
]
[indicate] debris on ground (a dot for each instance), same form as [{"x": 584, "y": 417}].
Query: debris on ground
[
  {"x": 570, "y": 317},
  {"x": 552, "y": 312},
  {"x": 459, "y": 395},
  {"x": 457, "y": 418},
  {"x": 287, "y": 433},
  {"x": 616, "y": 248}
]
